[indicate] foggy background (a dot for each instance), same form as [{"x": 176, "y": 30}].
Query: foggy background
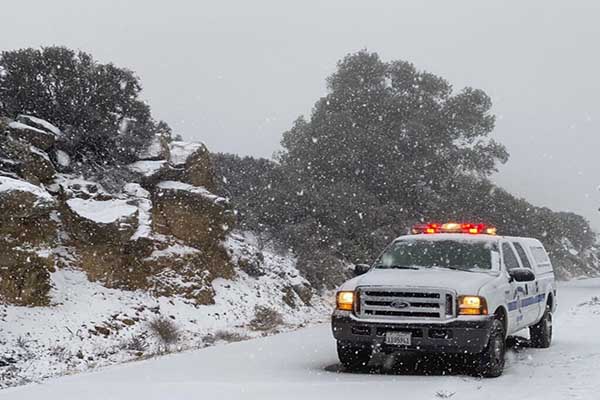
[{"x": 236, "y": 74}]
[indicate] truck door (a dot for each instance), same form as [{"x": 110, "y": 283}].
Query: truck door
[
  {"x": 517, "y": 290},
  {"x": 531, "y": 304}
]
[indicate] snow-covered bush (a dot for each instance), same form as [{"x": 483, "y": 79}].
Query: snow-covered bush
[{"x": 166, "y": 331}]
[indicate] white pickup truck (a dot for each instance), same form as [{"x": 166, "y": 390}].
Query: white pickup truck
[{"x": 448, "y": 288}]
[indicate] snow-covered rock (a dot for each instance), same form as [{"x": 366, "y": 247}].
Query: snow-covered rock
[
  {"x": 31, "y": 134},
  {"x": 10, "y": 186},
  {"x": 191, "y": 214},
  {"x": 181, "y": 151},
  {"x": 26, "y": 227},
  {"x": 184, "y": 187},
  {"x": 147, "y": 168},
  {"x": 43, "y": 124},
  {"x": 102, "y": 212}
]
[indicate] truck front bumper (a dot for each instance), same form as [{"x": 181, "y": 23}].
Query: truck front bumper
[{"x": 456, "y": 336}]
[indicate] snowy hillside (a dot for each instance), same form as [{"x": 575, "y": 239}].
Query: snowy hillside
[
  {"x": 130, "y": 262},
  {"x": 87, "y": 325}
]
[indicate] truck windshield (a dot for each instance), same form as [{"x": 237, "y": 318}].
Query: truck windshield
[{"x": 453, "y": 254}]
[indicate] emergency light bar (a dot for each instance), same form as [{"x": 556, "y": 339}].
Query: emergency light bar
[{"x": 454, "y": 227}]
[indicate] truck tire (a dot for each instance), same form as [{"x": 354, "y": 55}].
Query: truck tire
[
  {"x": 490, "y": 362},
  {"x": 541, "y": 333},
  {"x": 354, "y": 357}
]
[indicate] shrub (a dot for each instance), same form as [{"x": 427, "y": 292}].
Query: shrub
[
  {"x": 136, "y": 343},
  {"x": 166, "y": 331},
  {"x": 265, "y": 319}
]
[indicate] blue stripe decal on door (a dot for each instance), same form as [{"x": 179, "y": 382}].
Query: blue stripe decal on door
[{"x": 527, "y": 301}]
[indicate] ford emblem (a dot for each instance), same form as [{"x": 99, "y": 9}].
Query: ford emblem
[{"x": 399, "y": 304}]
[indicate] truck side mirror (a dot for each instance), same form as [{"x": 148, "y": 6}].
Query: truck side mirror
[
  {"x": 360, "y": 269},
  {"x": 521, "y": 274}
]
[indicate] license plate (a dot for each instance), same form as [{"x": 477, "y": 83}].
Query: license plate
[{"x": 398, "y": 338}]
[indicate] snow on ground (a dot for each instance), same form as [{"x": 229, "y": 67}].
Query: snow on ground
[
  {"x": 101, "y": 211},
  {"x": 303, "y": 365},
  {"x": 69, "y": 337}
]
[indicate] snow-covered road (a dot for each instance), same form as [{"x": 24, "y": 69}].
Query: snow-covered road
[{"x": 303, "y": 365}]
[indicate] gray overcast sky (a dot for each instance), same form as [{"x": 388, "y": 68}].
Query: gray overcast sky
[{"x": 236, "y": 74}]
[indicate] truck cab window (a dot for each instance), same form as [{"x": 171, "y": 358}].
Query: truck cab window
[
  {"x": 522, "y": 255},
  {"x": 510, "y": 259}
]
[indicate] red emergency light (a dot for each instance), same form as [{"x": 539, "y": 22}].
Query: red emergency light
[{"x": 454, "y": 227}]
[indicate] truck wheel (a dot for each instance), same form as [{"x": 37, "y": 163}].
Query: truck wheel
[
  {"x": 541, "y": 333},
  {"x": 490, "y": 362},
  {"x": 354, "y": 357}
]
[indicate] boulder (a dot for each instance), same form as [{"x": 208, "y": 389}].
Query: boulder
[
  {"x": 36, "y": 166},
  {"x": 92, "y": 221},
  {"x": 191, "y": 214},
  {"x": 27, "y": 222},
  {"x": 39, "y": 124},
  {"x": 179, "y": 152},
  {"x": 153, "y": 172},
  {"x": 194, "y": 159},
  {"x": 188, "y": 274},
  {"x": 198, "y": 169},
  {"x": 117, "y": 265},
  {"x": 26, "y": 214},
  {"x": 28, "y": 161},
  {"x": 24, "y": 277},
  {"x": 37, "y": 137}
]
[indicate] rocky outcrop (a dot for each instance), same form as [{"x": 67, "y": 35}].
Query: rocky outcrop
[
  {"x": 95, "y": 222},
  {"x": 27, "y": 230},
  {"x": 191, "y": 214},
  {"x": 197, "y": 268},
  {"x": 26, "y": 161},
  {"x": 185, "y": 162},
  {"x": 163, "y": 234},
  {"x": 198, "y": 169},
  {"x": 26, "y": 214},
  {"x": 24, "y": 277},
  {"x": 33, "y": 131}
]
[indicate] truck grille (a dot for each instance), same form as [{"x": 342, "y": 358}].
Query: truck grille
[{"x": 404, "y": 303}]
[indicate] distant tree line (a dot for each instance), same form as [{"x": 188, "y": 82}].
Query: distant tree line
[{"x": 388, "y": 146}]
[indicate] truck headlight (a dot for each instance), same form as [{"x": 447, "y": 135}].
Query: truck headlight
[
  {"x": 472, "y": 305},
  {"x": 345, "y": 300}
]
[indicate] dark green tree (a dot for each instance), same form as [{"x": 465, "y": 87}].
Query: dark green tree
[
  {"x": 97, "y": 105},
  {"x": 400, "y": 132}
]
